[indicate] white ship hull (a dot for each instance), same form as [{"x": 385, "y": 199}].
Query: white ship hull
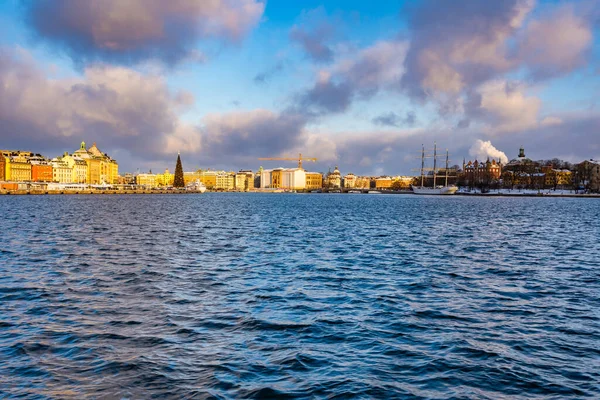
[{"x": 435, "y": 191}]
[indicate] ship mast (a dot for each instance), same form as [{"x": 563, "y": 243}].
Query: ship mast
[
  {"x": 446, "y": 168},
  {"x": 434, "y": 163},
  {"x": 422, "y": 163}
]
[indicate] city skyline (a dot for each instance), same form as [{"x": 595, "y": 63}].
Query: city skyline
[{"x": 353, "y": 85}]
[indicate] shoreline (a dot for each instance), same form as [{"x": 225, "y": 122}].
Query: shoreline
[{"x": 176, "y": 192}]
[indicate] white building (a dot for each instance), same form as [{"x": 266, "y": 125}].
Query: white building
[{"x": 293, "y": 179}]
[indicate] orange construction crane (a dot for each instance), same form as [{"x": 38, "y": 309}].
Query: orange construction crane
[{"x": 299, "y": 159}]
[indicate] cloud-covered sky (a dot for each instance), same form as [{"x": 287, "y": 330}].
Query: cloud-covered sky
[{"x": 356, "y": 84}]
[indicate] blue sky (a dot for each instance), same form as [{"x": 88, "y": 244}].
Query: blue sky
[{"x": 356, "y": 84}]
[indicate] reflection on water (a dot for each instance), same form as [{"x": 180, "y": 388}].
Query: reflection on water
[{"x": 249, "y": 295}]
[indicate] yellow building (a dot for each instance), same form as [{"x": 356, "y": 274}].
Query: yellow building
[
  {"x": 189, "y": 177},
  {"x": 384, "y": 182},
  {"x": 225, "y": 181},
  {"x": 314, "y": 181},
  {"x": 244, "y": 181},
  {"x": 148, "y": 180},
  {"x": 61, "y": 171},
  {"x": 362, "y": 182},
  {"x": 165, "y": 179},
  {"x": 101, "y": 169},
  {"x": 334, "y": 179},
  {"x": 349, "y": 180},
  {"x": 19, "y": 167}
]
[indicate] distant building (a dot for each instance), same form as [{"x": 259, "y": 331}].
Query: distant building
[
  {"x": 2, "y": 167},
  {"x": 477, "y": 172},
  {"x": 41, "y": 170},
  {"x": 588, "y": 175},
  {"x": 101, "y": 169},
  {"x": 244, "y": 180},
  {"x": 349, "y": 180},
  {"x": 383, "y": 182},
  {"x": 225, "y": 181},
  {"x": 19, "y": 167},
  {"x": 165, "y": 179},
  {"x": 147, "y": 180},
  {"x": 314, "y": 181},
  {"x": 61, "y": 171},
  {"x": 334, "y": 179}
]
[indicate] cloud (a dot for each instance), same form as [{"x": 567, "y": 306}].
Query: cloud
[
  {"x": 574, "y": 139},
  {"x": 247, "y": 135},
  {"x": 263, "y": 77},
  {"x": 504, "y": 106},
  {"x": 114, "y": 106},
  {"x": 374, "y": 68},
  {"x": 557, "y": 43},
  {"x": 137, "y": 30},
  {"x": 460, "y": 44},
  {"x": 483, "y": 150},
  {"x": 313, "y": 35},
  {"x": 393, "y": 119}
]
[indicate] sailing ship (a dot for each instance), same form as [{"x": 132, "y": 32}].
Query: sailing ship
[{"x": 435, "y": 190}]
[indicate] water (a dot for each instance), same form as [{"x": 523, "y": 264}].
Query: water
[{"x": 249, "y": 295}]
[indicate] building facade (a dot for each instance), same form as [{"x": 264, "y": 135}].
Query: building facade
[
  {"x": 20, "y": 167},
  {"x": 314, "y": 181},
  {"x": 334, "y": 179},
  {"x": 2, "y": 168},
  {"x": 41, "y": 171}
]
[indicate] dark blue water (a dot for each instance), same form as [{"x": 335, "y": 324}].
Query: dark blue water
[{"x": 249, "y": 295}]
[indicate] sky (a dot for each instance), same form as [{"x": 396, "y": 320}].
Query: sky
[{"x": 359, "y": 85}]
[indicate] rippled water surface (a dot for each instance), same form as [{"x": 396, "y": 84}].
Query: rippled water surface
[{"x": 250, "y": 295}]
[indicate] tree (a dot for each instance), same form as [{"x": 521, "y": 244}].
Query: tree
[{"x": 178, "y": 180}]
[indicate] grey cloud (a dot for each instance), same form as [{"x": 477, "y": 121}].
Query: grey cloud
[
  {"x": 313, "y": 34},
  {"x": 116, "y": 107},
  {"x": 373, "y": 69},
  {"x": 326, "y": 97},
  {"x": 393, "y": 119},
  {"x": 265, "y": 76},
  {"x": 243, "y": 136},
  {"x": 458, "y": 44},
  {"x": 138, "y": 30}
]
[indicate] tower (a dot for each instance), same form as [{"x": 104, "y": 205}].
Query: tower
[{"x": 521, "y": 152}]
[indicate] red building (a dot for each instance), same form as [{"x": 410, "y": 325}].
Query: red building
[
  {"x": 41, "y": 173},
  {"x": 476, "y": 172}
]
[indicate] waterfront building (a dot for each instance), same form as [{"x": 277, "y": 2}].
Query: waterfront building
[
  {"x": 476, "y": 172},
  {"x": 147, "y": 180},
  {"x": 19, "y": 167},
  {"x": 225, "y": 181},
  {"x": 314, "y": 181},
  {"x": 244, "y": 180},
  {"x": 166, "y": 178},
  {"x": 266, "y": 178},
  {"x": 101, "y": 169},
  {"x": 61, "y": 171},
  {"x": 555, "y": 178},
  {"x": 588, "y": 175},
  {"x": 334, "y": 179},
  {"x": 349, "y": 180},
  {"x": 293, "y": 179},
  {"x": 383, "y": 182},
  {"x": 362, "y": 182},
  {"x": 2, "y": 167},
  {"x": 41, "y": 171}
]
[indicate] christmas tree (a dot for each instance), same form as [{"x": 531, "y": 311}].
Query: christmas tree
[{"x": 178, "y": 182}]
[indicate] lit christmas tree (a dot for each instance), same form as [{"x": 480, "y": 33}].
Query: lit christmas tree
[{"x": 178, "y": 182}]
